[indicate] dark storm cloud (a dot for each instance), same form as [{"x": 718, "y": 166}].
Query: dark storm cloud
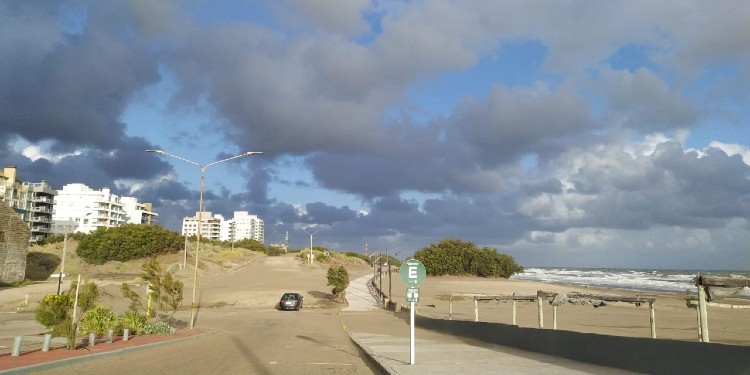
[
  {"x": 513, "y": 122},
  {"x": 74, "y": 89}
]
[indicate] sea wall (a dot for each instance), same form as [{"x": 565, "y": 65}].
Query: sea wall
[{"x": 645, "y": 355}]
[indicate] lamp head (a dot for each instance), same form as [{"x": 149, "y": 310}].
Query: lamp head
[{"x": 157, "y": 151}]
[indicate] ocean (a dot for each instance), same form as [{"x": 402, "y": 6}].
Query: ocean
[{"x": 673, "y": 281}]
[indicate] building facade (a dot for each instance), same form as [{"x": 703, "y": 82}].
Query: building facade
[
  {"x": 243, "y": 226},
  {"x": 88, "y": 208},
  {"x": 210, "y": 225},
  {"x": 33, "y": 202},
  {"x": 138, "y": 213}
]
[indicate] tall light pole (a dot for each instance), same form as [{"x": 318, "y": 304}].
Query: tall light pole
[
  {"x": 311, "y": 251},
  {"x": 200, "y": 214}
]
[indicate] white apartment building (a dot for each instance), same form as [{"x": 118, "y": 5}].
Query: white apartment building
[
  {"x": 242, "y": 226},
  {"x": 210, "y": 225},
  {"x": 91, "y": 209},
  {"x": 138, "y": 213}
]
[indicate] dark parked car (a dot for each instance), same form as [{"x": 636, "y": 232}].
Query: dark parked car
[{"x": 290, "y": 301}]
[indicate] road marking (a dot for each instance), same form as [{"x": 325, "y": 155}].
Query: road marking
[{"x": 311, "y": 363}]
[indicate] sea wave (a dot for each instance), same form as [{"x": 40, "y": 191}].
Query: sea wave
[{"x": 674, "y": 281}]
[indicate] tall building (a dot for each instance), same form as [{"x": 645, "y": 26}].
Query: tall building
[
  {"x": 210, "y": 225},
  {"x": 34, "y": 202},
  {"x": 89, "y": 208},
  {"x": 243, "y": 226}
]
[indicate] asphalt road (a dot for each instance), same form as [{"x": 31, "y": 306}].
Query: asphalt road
[{"x": 252, "y": 336}]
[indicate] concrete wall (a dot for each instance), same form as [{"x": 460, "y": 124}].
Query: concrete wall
[
  {"x": 645, "y": 355},
  {"x": 14, "y": 242}
]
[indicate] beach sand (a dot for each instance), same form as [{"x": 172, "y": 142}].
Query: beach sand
[
  {"x": 260, "y": 285},
  {"x": 674, "y": 320}
]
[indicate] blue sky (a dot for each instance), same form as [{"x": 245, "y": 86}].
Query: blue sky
[{"x": 580, "y": 134}]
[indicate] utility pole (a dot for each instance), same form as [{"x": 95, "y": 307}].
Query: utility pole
[
  {"x": 311, "y": 245},
  {"x": 390, "y": 281}
]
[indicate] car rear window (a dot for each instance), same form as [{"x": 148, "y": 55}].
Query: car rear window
[{"x": 289, "y": 296}]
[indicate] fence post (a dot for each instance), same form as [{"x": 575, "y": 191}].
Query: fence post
[
  {"x": 703, "y": 312},
  {"x": 126, "y": 334},
  {"x": 514, "y": 313},
  {"x": 554, "y": 317},
  {"x": 653, "y": 320},
  {"x": 92, "y": 338},
  {"x": 476, "y": 310},
  {"x": 540, "y": 313},
  {"x": 110, "y": 333},
  {"x": 450, "y": 307}
]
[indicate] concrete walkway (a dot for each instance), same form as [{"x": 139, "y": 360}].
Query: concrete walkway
[{"x": 385, "y": 338}]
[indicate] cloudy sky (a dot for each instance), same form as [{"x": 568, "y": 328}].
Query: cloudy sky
[{"x": 576, "y": 133}]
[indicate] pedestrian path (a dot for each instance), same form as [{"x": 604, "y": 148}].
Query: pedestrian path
[
  {"x": 360, "y": 296},
  {"x": 385, "y": 339}
]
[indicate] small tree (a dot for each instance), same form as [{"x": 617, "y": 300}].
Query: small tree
[
  {"x": 165, "y": 290},
  {"x": 338, "y": 277},
  {"x": 55, "y": 312}
]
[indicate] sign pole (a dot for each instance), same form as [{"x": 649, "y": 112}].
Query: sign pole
[
  {"x": 411, "y": 334},
  {"x": 413, "y": 273}
]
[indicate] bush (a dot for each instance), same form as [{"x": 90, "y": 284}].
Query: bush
[
  {"x": 455, "y": 257},
  {"x": 338, "y": 277},
  {"x": 133, "y": 320},
  {"x": 53, "y": 310},
  {"x": 128, "y": 242},
  {"x": 99, "y": 320},
  {"x": 158, "y": 328},
  {"x": 39, "y": 266}
]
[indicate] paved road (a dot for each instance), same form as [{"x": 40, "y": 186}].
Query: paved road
[
  {"x": 252, "y": 337},
  {"x": 310, "y": 341}
]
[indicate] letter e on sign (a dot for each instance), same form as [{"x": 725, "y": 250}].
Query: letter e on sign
[{"x": 412, "y": 273}]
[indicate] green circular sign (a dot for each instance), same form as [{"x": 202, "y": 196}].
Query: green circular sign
[{"x": 413, "y": 273}]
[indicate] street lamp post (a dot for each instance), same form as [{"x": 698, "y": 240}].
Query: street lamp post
[
  {"x": 311, "y": 246},
  {"x": 200, "y": 214}
]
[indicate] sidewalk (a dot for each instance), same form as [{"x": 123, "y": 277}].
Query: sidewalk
[{"x": 385, "y": 338}]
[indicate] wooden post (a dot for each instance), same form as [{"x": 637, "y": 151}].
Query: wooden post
[
  {"x": 450, "y": 307},
  {"x": 476, "y": 310},
  {"x": 554, "y": 317},
  {"x": 703, "y": 312},
  {"x": 540, "y": 313},
  {"x": 653, "y": 320},
  {"x": 698, "y": 318},
  {"x": 514, "y": 313}
]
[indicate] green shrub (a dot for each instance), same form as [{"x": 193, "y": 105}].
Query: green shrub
[
  {"x": 99, "y": 320},
  {"x": 133, "y": 320},
  {"x": 455, "y": 257},
  {"x": 128, "y": 242},
  {"x": 274, "y": 251},
  {"x": 53, "y": 310},
  {"x": 338, "y": 277},
  {"x": 158, "y": 328},
  {"x": 39, "y": 266}
]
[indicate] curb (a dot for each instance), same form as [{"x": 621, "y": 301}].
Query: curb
[
  {"x": 92, "y": 357},
  {"x": 381, "y": 363}
]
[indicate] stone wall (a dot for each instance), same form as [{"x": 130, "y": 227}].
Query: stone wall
[{"x": 14, "y": 244}]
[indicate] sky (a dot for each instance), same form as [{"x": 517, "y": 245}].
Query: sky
[{"x": 565, "y": 134}]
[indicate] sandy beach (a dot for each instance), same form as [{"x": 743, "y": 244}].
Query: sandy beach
[{"x": 674, "y": 320}]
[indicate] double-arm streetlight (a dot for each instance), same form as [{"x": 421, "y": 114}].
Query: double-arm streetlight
[
  {"x": 200, "y": 214},
  {"x": 310, "y": 260}
]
